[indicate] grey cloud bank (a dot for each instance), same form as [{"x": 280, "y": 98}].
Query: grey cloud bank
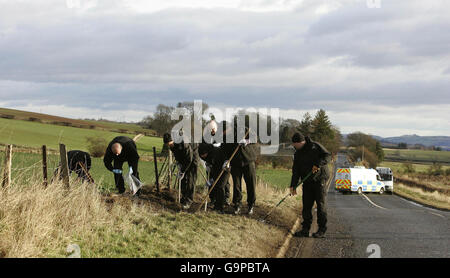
[{"x": 296, "y": 55}]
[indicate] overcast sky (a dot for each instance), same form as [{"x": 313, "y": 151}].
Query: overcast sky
[{"x": 384, "y": 71}]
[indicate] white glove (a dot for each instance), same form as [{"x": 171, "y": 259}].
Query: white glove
[
  {"x": 180, "y": 175},
  {"x": 209, "y": 183},
  {"x": 226, "y": 166},
  {"x": 244, "y": 142}
]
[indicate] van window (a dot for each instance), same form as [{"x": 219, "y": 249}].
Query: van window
[{"x": 378, "y": 178}]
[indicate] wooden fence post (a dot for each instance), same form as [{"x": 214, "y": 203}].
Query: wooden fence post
[
  {"x": 170, "y": 169},
  {"x": 64, "y": 165},
  {"x": 156, "y": 169},
  {"x": 44, "y": 164},
  {"x": 7, "y": 171}
]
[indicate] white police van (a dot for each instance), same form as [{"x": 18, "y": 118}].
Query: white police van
[
  {"x": 358, "y": 179},
  {"x": 387, "y": 177}
]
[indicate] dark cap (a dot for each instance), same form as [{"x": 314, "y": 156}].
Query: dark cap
[
  {"x": 167, "y": 138},
  {"x": 298, "y": 137},
  {"x": 205, "y": 148}
]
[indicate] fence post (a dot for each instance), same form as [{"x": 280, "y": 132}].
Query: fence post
[
  {"x": 7, "y": 172},
  {"x": 44, "y": 164},
  {"x": 156, "y": 169},
  {"x": 64, "y": 164},
  {"x": 170, "y": 169}
]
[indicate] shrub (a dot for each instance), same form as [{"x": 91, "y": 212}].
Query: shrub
[
  {"x": 447, "y": 172},
  {"x": 97, "y": 146},
  {"x": 408, "y": 168},
  {"x": 435, "y": 170}
]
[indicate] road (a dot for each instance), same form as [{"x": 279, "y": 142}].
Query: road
[{"x": 387, "y": 225}]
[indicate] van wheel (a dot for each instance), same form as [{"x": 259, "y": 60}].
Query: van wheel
[
  {"x": 360, "y": 190},
  {"x": 381, "y": 191}
]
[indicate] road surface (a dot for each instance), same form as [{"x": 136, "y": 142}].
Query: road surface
[{"x": 376, "y": 225}]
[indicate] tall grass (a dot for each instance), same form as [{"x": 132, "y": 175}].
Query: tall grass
[
  {"x": 41, "y": 222},
  {"x": 34, "y": 219}
]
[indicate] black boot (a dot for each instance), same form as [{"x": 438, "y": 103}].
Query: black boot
[
  {"x": 320, "y": 234},
  {"x": 303, "y": 233}
]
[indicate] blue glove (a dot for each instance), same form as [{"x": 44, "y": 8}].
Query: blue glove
[{"x": 117, "y": 171}]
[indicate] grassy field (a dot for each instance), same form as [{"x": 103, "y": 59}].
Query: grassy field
[
  {"x": 101, "y": 125},
  {"x": 420, "y": 156},
  {"x": 32, "y": 134},
  {"x": 398, "y": 167},
  {"x": 278, "y": 178}
]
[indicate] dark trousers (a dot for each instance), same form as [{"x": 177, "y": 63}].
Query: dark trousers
[
  {"x": 220, "y": 191},
  {"x": 188, "y": 184},
  {"x": 314, "y": 192},
  {"x": 118, "y": 178},
  {"x": 249, "y": 174}
]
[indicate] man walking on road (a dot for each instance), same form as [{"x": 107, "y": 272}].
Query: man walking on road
[
  {"x": 311, "y": 157},
  {"x": 121, "y": 149}
]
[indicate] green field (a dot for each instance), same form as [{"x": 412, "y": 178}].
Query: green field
[
  {"x": 419, "y": 156},
  {"x": 33, "y": 134},
  {"x": 90, "y": 124},
  {"x": 277, "y": 178},
  {"x": 397, "y": 167}
]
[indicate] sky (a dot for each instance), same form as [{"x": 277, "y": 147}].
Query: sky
[{"x": 380, "y": 67}]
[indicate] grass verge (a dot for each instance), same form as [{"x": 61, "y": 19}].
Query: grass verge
[
  {"x": 41, "y": 222},
  {"x": 433, "y": 199}
]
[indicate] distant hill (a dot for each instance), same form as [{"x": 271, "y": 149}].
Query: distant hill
[{"x": 427, "y": 141}]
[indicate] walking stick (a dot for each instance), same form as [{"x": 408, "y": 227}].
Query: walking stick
[
  {"x": 221, "y": 173},
  {"x": 282, "y": 200}
]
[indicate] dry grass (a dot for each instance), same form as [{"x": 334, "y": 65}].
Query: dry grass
[
  {"x": 434, "y": 199},
  {"x": 41, "y": 222}
]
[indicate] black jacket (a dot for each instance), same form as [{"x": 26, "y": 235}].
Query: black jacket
[
  {"x": 216, "y": 159},
  {"x": 311, "y": 154},
  {"x": 186, "y": 155},
  {"x": 129, "y": 152},
  {"x": 75, "y": 156},
  {"x": 244, "y": 156}
]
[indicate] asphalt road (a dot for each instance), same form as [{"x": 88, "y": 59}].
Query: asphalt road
[{"x": 384, "y": 226}]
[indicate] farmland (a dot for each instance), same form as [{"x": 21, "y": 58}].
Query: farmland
[
  {"x": 417, "y": 156},
  {"x": 33, "y": 134}
]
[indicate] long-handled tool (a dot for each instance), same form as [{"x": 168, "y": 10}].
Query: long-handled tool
[
  {"x": 221, "y": 173},
  {"x": 284, "y": 199},
  {"x": 206, "y": 181}
]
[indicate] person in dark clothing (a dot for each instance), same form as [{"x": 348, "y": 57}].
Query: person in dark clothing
[
  {"x": 121, "y": 149},
  {"x": 215, "y": 157},
  {"x": 212, "y": 128},
  {"x": 311, "y": 157},
  {"x": 242, "y": 166},
  {"x": 74, "y": 158},
  {"x": 186, "y": 156}
]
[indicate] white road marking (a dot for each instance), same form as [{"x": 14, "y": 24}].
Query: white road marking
[
  {"x": 437, "y": 214},
  {"x": 419, "y": 205},
  {"x": 370, "y": 201}
]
